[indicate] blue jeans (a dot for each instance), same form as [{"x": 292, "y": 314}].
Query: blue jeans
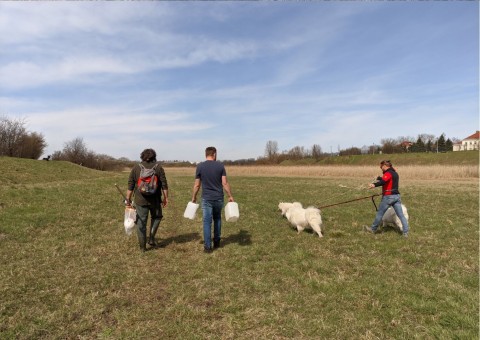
[
  {"x": 212, "y": 210},
  {"x": 390, "y": 201}
]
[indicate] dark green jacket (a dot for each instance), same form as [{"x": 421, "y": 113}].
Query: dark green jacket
[{"x": 140, "y": 199}]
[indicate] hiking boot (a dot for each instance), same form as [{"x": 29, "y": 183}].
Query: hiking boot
[
  {"x": 151, "y": 238},
  {"x": 152, "y": 242},
  {"x": 216, "y": 244},
  {"x": 207, "y": 250},
  {"x": 142, "y": 241},
  {"x": 405, "y": 235},
  {"x": 369, "y": 229}
]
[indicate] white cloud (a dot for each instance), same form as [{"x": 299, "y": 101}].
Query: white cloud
[{"x": 89, "y": 39}]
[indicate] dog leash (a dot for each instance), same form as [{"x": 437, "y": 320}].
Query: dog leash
[{"x": 356, "y": 199}]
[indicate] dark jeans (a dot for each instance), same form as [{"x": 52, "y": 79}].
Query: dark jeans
[{"x": 142, "y": 217}]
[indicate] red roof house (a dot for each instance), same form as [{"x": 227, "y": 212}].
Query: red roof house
[{"x": 469, "y": 143}]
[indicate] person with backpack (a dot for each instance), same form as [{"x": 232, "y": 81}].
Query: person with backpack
[
  {"x": 211, "y": 175},
  {"x": 148, "y": 183}
]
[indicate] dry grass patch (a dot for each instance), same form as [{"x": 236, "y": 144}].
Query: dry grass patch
[{"x": 430, "y": 172}]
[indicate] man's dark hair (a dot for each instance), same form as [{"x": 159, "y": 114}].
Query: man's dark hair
[
  {"x": 148, "y": 155},
  {"x": 210, "y": 151}
]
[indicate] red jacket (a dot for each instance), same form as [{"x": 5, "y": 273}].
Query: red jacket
[{"x": 389, "y": 182}]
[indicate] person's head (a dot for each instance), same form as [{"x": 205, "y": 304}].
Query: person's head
[
  {"x": 148, "y": 155},
  {"x": 384, "y": 165},
  {"x": 211, "y": 152}
]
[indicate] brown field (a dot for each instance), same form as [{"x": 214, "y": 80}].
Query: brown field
[{"x": 410, "y": 172}]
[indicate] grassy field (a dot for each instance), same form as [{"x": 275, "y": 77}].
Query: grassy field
[{"x": 69, "y": 271}]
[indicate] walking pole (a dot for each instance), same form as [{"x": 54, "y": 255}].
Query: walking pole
[{"x": 121, "y": 192}]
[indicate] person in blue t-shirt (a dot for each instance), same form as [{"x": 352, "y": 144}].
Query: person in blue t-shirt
[{"x": 212, "y": 177}]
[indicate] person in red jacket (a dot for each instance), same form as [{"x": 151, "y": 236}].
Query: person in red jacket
[{"x": 390, "y": 197}]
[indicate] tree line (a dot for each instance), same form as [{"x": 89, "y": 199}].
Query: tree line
[
  {"x": 423, "y": 143},
  {"x": 16, "y": 141},
  {"x": 76, "y": 151}
]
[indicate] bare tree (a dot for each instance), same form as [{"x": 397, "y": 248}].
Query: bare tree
[
  {"x": 271, "y": 150},
  {"x": 75, "y": 151},
  {"x": 390, "y": 145},
  {"x": 32, "y": 146},
  {"x": 316, "y": 151},
  {"x": 425, "y": 137},
  {"x": 297, "y": 152},
  {"x": 12, "y": 132}
]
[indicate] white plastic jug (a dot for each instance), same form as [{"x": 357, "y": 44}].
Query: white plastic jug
[
  {"x": 231, "y": 212},
  {"x": 129, "y": 221},
  {"x": 191, "y": 210}
]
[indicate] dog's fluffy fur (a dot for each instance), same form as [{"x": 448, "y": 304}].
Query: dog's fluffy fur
[
  {"x": 391, "y": 218},
  {"x": 284, "y": 206},
  {"x": 301, "y": 218}
]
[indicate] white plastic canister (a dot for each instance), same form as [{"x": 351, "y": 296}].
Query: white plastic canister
[
  {"x": 129, "y": 220},
  {"x": 191, "y": 210},
  {"x": 231, "y": 212}
]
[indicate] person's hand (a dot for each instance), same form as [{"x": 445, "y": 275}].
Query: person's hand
[
  {"x": 371, "y": 186},
  {"x": 230, "y": 199},
  {"x": 164, "y": 202},
  {"x": 127, "y": 202}
]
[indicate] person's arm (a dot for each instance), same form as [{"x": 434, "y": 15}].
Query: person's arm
[
  {"x": 226, "y": 187},
  {"x": 381, "y": 180},
  {"x": 130, "y": 187},
  {"x": 164, "y": 197},
  {"x": 128, "y": 198},
  {"x": 196, "y": 188},
  {"x": 164, "y": 184}
]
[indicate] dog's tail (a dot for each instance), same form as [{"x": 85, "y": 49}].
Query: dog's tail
[{"x": 313, "y": 216}]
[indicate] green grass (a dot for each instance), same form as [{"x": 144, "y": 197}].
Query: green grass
[
  {"x": 69, "y": 271},
  {"x": 415, "y": 158}
]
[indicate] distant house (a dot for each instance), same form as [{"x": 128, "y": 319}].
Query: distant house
[
  {"x": 469, "y": 143},
  {"x": 406, "y": 145}
]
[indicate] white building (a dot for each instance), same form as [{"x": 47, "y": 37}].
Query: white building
[{"x": 469, "y": 143}]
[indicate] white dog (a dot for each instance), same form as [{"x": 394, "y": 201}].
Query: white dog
[
  {"x": 302, "y": 218},
  {"x": 284, "y": 206},
  {"x": 391, "y": 218}
]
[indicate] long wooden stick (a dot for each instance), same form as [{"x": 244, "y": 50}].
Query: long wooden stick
[{"x": 121, "y": 192}]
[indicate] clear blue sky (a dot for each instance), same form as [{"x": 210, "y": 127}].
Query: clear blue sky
[{"x": 181, "y": 76}]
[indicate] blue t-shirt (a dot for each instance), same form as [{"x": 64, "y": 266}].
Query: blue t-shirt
[{"x": 210, "y": 174}]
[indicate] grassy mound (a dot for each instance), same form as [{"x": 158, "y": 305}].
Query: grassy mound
[{"x": 28, "y": 171}]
